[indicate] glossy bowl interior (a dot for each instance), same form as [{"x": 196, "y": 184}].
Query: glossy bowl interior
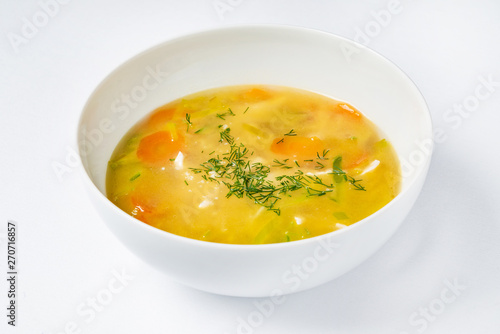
[{"x": 277, "y": 55}]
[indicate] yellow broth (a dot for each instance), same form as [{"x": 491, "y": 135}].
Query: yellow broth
[{"x": 253, "y": 165}]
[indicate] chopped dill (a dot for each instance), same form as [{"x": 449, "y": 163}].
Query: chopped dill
[
  {"x": 244, "y": 178},
  {"x": 355, "y": 183},
  {"x": 135, "y": 176},
  {"x": 188, "y": 121},
  {"x": 323, "y": 155},
  {"x": 319, "y": 165},
  {"x": 339, "y": 175},
  {"x": 229, "y": 112},
  {"x": 291, "y": 133},
  {"x": 281, "y": 164},
  {"x": 279, "y": 142},
  {"x": 225, "y": 136}
]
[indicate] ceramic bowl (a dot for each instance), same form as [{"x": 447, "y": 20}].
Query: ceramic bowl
[{"x": 275, "y": 55}]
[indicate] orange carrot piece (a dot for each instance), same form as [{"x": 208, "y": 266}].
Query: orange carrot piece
[
  {"x": 159, "y": 147},
  {"x": 141, "y": 204},
  {"x": 148, "y": 200},
  {"x": 297, "y": 146},
  {"x": 355, "y": 161},
  {"x": 349, "y": 110},
  {"x": 160, "y": 117},
  {"x": 256, "y": 94}
]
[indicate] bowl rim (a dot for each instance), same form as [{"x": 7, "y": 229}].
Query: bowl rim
[{"x": 423, "y": 168}]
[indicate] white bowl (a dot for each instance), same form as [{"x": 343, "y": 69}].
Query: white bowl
[{"x": 277, "y": 55}]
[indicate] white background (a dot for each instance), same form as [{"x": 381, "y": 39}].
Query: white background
[{"x": 67, "y": 256}]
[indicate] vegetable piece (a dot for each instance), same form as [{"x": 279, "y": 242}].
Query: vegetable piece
[
  {"x": 356, "y": 161},
  {"x": 256, "y": 94},
  {"x": 265, "y": 232},
  {"x": 123, "y": 160},
  {"x": 141, "y": 204},
  {"x": 338, "y": 173},
  {"x": 148, "y": 199},
  {"x": 159, "y": 147},
  {"x": 381, "y": 144},
  {"x": 160, "y": 117},
  {"x": 297, "y": 146},
  {"x": 340, "y": 215},
  {"x": 254, "y": 130},
  {"x": 347, "y": 109}
]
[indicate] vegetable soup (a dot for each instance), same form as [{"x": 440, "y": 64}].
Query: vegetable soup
[{"x": 253, "y": 165}]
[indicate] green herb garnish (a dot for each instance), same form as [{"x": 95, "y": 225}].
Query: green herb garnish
[
  {"x": 355, "y": 183},
  {"x": 339, "y": 175},
  {"x": 244, "y": 178},
  {"x": 229, "y": 112},
  {"x": 188, "y": 121},
  {"x": 323, "y": 155},
  {"x": 135, "y": 176},
  {"x": 225, "y": 136},
  {"x": 281, "y": 164},
  {"x": 319, "y": 165}
]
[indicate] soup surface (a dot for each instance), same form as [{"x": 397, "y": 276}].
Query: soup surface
[{"x": 253, "y": 165}]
